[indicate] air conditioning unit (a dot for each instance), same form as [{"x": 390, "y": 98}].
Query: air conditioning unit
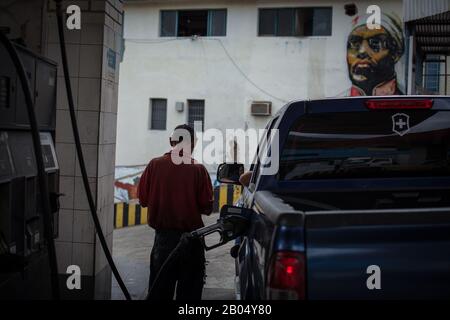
[
  {"x": 261, "y": 108},
  {"x": 179, "y": 106}
]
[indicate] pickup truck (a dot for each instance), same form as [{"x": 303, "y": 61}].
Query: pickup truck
[{"x": 359, "y": 207}]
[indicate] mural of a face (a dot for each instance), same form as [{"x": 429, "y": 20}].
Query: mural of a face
[{"x": 371, "y": 58}]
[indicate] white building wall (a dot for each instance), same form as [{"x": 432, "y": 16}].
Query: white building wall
[{"x": 287, "y": 68}]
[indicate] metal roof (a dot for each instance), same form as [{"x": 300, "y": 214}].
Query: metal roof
[
  {"x": 418, "y": 9},
  {"x": 433, "y": 33}
]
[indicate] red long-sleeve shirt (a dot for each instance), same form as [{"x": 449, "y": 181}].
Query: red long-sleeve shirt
[{"x": 176, "y": 195}]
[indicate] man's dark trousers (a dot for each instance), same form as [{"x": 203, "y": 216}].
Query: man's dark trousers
[{"x": 187, "y": 273}]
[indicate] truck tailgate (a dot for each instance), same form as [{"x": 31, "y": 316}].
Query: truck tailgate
[{"x": 411, "y": 247}]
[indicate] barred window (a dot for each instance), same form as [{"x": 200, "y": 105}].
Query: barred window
[
  {"x": 158, "y": 114},
  {"x": 186, "y": 23},
  {"x": 196, "y": 112},
  {"x": 295, "y": 22},
  {"x": 434, "y": 76},
  {"x": 168, "y": 23}
]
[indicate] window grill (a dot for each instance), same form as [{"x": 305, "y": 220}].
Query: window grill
[
  {"x": 158, "y": 114},
  {"x": 196, "y": 112}
]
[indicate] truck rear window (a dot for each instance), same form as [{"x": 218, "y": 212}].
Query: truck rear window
[{"x": 372, "y": 144}]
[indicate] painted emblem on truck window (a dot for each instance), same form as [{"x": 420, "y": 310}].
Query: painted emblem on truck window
[{"x": 400, "y": 123}]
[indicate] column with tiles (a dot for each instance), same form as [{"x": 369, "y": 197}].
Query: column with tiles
[{"x": 94, "y": 55}]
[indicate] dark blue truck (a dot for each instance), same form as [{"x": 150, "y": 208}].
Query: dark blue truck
[{"x": 359, "y": 207}]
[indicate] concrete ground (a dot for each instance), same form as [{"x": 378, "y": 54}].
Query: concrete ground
[{"x": 131, "y": 252}]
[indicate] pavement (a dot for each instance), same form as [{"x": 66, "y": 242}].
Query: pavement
[{"x": 131, "y": 253}]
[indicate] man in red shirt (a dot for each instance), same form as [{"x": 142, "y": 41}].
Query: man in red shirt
[{"x": 176, "y": 194}]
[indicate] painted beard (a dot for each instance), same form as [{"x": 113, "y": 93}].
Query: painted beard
[{"x": 368, "y": 75}]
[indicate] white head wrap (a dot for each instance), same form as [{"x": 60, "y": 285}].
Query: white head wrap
[{"x": 391, "y": 23}]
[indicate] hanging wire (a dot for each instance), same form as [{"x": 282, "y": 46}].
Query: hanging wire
[
  {"x": 243, "y": 73},
  {"x": 227, "y": 53}
]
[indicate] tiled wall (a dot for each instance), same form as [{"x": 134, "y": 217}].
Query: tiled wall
[{"x": 94, "y": 81}]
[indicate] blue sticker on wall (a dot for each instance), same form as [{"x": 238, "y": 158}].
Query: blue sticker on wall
[{"x": 111, "y": 56}]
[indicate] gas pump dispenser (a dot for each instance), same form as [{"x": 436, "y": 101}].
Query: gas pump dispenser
[{"x": 24, "y": 262}]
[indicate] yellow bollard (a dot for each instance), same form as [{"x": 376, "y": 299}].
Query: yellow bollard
[
  {"x": 119, "y": 215},
  {"x": 144, "y": 215},
  {"x": 131, "y": 214},
  {"x": 222, "y": 195}
]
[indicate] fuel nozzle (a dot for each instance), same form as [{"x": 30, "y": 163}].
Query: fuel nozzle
[{"x": 233, "y": 222}]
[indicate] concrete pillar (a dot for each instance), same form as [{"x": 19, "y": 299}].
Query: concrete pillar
[{"x": 94, "y": 56}]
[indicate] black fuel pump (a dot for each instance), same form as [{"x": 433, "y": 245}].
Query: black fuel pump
[{"x": 29, "y": 174}]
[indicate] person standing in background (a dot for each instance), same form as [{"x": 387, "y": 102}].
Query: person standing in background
[{"x": 176, "y": 196}]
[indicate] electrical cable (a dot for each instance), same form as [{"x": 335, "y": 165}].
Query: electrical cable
[
  {"x": 92, "y": 207},
  {"x": 227, "y": 53},
  {"x": 42, "y": 175},
  {"x": 243, "y": 73},
  {"x": 147, "y": 41}
]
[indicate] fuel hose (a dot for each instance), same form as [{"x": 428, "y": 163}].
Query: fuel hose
[{"x": 76, "y": 135}]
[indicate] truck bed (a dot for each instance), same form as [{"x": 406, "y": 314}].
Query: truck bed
[{"x": 410, "y": 246}]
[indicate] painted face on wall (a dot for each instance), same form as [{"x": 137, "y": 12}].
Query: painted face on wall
[{"x": 371, "y": 57}]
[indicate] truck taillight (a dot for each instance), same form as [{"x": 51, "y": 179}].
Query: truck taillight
[
  {"x": 287, "y": 276},
  {"x": 399, "y": 104}
]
